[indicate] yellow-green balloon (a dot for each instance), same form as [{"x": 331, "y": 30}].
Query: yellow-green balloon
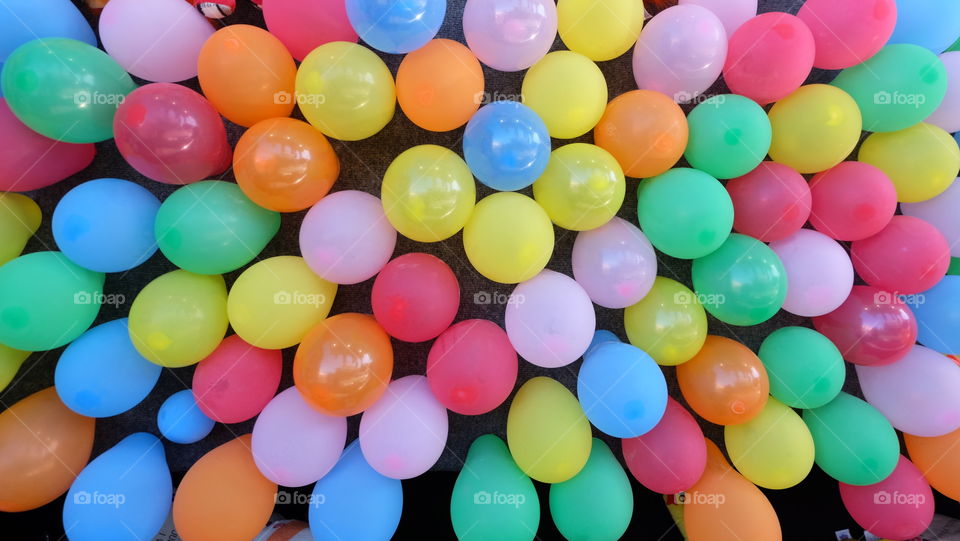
[
  {"x": 580, "y": 22},
  {"x": 774, "y": 449},
  {"x": 578, "y": 107},
  {"x": 509, "y": 238},
  {"x": 582, "y": 187},
  {"x": 10, "y": 362},
  {"x": 19, "y": 220},
  {"x": 669, "y": 323}
]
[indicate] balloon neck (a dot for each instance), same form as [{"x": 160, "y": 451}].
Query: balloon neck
[{"x": 599, "y": 338}]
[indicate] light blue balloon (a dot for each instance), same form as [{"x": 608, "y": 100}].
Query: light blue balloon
[
  {"x": 938, "y": 315},
  {"x": 101, "y": 374},
  {"x": 396, "y": 26},
  {"x": 353, "y": 501},
  {"x": 600, "y": 337},
  {"x": 506, "y": 145},
  {"x": 106, "y": 225},
  {"x": 934, "y": 24},
  {"x": 622, "y": 390},
  {"x": 956, "y": 137},
  {"x": 125, "y": 494},
  {"x": 180, "y": 419}
]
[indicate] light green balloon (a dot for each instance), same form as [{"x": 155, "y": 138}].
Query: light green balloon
[
  {"x": 10, "y": 362},
  {"x": 806, "y": 370},
  {"x": 729, "y": 136}
]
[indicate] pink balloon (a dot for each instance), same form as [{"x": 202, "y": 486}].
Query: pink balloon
[
  {"x": 852, "y": 201},
  {"x": 769, "y": 57},
  {"x": 942, "y": 213},
  {"x": 671, "y": 457},
  {"x": 819, "y": 273},
  {"x": 237, "y": 380},
  {"x": 304, "y": 25},
  {"x": 510, "y": 35},
  {"x": 907, "y": 256},
  {"x": 848, "y": 32},
  {"x": 947, "y": 115},
  {"x": 614, "y": 263},
  {"x": 732, "y": 13},
  {"x": 415, "y": 297},
  {"x": 770, "y": 203},
  {"x": 899, "y": 507}
]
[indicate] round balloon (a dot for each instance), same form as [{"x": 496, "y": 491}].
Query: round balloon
[
  {"x": 847, "y": 33},
  {"x": 729, "y": 136},
  {"x": 235, "y": 382},
  {"x": 805, "y": 369},
  {"x": 396, "y": 27},
  {"x": 506, "y": 145},
  {"x": 770, "y": 203},
  {"x": 852, "y": 201},
  {"x": 814, "y": 128},
  {"x": 614, "y": 263},
  {"x": 440, "y": 85},
  {"x": 304, "y": 25},
  {"x": 510, "y": 35},
  {"x": 922, "y": 160},
  {"x": 643, "y": 119},
  {"x": 907, "y": 256},
  {"x": 575, "y": 111},
  {"x": 669, "y": 323},
  {"x": 769, "y": 57},
  {"x": 725, "y": 382},
  {"x": 509, "y": 238},
  {"x": 180, "y": 419},
  {"x": 415, "y": 297},
  {"x": 579, "y": 23},
  {"x": 899, "y": 507},
  {"x": 582, "y": 188},
  {"x": 819, "y": 272}
]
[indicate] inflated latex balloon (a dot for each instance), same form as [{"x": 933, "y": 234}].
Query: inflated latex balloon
[
  {"x": 304, "y": 25},
  {"x": 396, "y": 27},
  {"x": 939, "y": 212},
  {"x": 123, "y": 493},
  {"x": 10, "y": 362},
  {"x": 725, "y": 382},
  {"x": 852, "y": 201},
  {"x": 729, "y": 136},
  {"x": 509, "y": 238},
  {"x": 510, "y": 35},
  {"x": 346, "y": 238},
  {"x": 65, "y": 89},
  {"x": 769, "y": 57},
  {"x": 577, "y": 110},
  {"x": 899, "y": 507},
  {"x": 907, "y": 256},
  {"x": 440, "y": 85},
  {"x": 947, "y": 115},
  {"x": 772, "y": 450},
  {"x": 20, "y": 218},
  {"x": 819, "y": 272},
  {"x": 236, "y": 381},
  {"x": 171, "y": 134},
  {"x": 506, "y": 145},
  {"x": 344, "y": 364},
  {"x": 428, "y": 193},
  {"x": 770, "y": 203},
  {"x": 548, "y": 434},
  {"x": 582, "y": 188},
  {"x": 805, "y": 369},
  {"x": 46, "y": 301},
  {"x": 732, "y": 13},
  {"x": 579, "y": 23},
  {"x": 938, "y": 313},
  {"x": 180, "y": 419},
  {"x": 415, "y": 297},
  {"x": 938, "y": 458},
  {"x": 847, "y": 33},
  {"x": 933, "y": 24},
  {"x": 669, "y": 323},
  {"x": 614, "y": 263},
  {"x": 814, "y": 128},
  {"x": 643, "y": 119},
  {"x": 671, "y": 457},
  {"x": 922, "y": 160}
]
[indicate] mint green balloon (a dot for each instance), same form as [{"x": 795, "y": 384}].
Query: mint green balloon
[
  {"x": 806, "y": 370},
  {"x": 597, "y": 503},
  {"x": 65, "y": 89},
  {"x": 46, "y": 301},
  {"x": 729, "y": 136},
  {"x": 492, "y": 499},
  {"x": 743, "y": 282},
  {"x": 896, "y": 88},
  {"x": 211, "y": 227},
  {"x": 684, "y": 212}
]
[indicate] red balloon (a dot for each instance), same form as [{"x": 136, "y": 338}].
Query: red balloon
[
  {"x": 852, "y": 201},
  {"x": 907, "y": 256},
  {"x": 770, "y": 203},
  {"x": 237, "y": 380},
  {"x": 899, "y": 507},
  {"x": 671, "y": 457},
  {"x": 415, "y": 297}
]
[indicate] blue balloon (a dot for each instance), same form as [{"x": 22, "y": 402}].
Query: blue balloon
[
  {"x": 101, "y": 374},
  {"x": 506, "y": 145},
  {"x": 124, "y": 494},
  {"x": 934, "y": 24},
  {"x": 622, "y": 390},
  {"x": 600, "y": 337},
  {"x": 956, "y": 137},
  {"x": 106, "y": 225},
  {"x": 180, "y": 419},
  {"x": 396, "y": 26},
  {"x": 938, "y": 315},
  {"x": 353, "y": 501}
]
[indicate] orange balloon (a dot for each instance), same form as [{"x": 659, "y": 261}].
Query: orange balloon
[
  {"x": 343, "y": 364},
  {"x": 285, "y": 164},
  {"x": 440, "y": 85},
  {"x": 644, "y": 130},
  {"x": 43, "y": 446},
  {"x": 725, "y": 383},
  {"x": 247, "y": 74},
  {"x": 224, "y": 496},
  {"x": 938, "y": 458}
]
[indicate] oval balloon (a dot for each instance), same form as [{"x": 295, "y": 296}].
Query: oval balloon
[
  {"x": 20, "y": 218},
  {"x": 921, "y": 160},
  {"x": 819, "y": 272},
  {"x": 671, "y": 457},
  {"x": 566, "y": 114},
  {"x": 907, "y": 256},
  {"x": 440, "y": 85},
  {"x": 772, "y": 450},
  {"x": 847, "y": 33},
  {"x": 28, "y": 21},
  {"x": 937, "y": 313},
  {"x": 939, "y": 213},
  {"x": 770, "y": 202},
  {"x": 582, "y": 188},
  {"x": 236, "y": 381},
  {"x": 669, "y": 323},
  {"x": 729, "y": 136},
  {"x": 614, "y": 263},
  {"x": 768, "y": 57},
  {"x": 899, "y": 507},
  {"x": 725, "y": 383},
  {"x": 508, "y": 238},
  {"x": 579, "y": 22},
  {"x": 180, "y": 419},
  {"x": 304, "y": 25},
  {"x": 814, "y": 128},
  {"x": 852, "y": 201},
  {"x": 805, "y": 369},
  {"x": 938, "y": 458},
  {"x": 415, "y": 297}
]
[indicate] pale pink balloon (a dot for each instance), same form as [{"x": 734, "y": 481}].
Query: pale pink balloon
[
  {"x": 732, "y": 13},
  {"x": 671, "y": 457},
  {"x": 947, "y": 115},
  {"x": 899, "y": 507},
  {"x": 614, "y": 263},
  {"x": 819, "y": 272},
  {"x": 510, "y": 35},
  {"x": 942, "y": 212}
]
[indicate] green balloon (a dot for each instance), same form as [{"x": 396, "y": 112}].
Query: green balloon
[
  {"x": 806, "y": 370},
  {"x": 896, "y": 88},
  {"x": 743, "y": 282},
  {"x": 954, "y": 47},
  {"x": 855, "y": 444},
  {"x": 46, "y": 301},
  {"x": 685, "y": 213},
  {"x": 492, "y": 499},
  {"x": 211, "y": 227},
  {"x": 954, "y": 268},
  {"x": 65, "y": 89},
  {"x": 729, "y": 136},
  {"x": 597, "y": 503}
]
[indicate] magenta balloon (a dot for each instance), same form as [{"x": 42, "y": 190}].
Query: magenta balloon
[
  {"x": 907, "y": 256},
  {"x": 848, "y": 32},
  {"x": 671, "y": 457},
  {"x": 770, "y": 203},
  {"x": 769, "y": 57},
  {"x": 947, "y": 115},
  {"x": 899, "y": 507},
  {"x": 819, "y": 272},
  {"x": 941, "y": 212},
  {"x": 510, "y": 35},
  {"x": 304, "y": 25},
  {"x": 614, "y": 263},
  {"x": 732, "y": 13},
  {"x": 852, "y": 201}
]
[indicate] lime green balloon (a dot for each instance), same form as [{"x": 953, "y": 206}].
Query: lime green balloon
[
  {"x": 729, "y": 136},
  {"x": 742, "y": 283},
  {"x": 685, "y": 213},
  {"x": 19, "y": 219},
  {"x": 46, "y": 301},
  {"x": 211, "y": 227},
  {"x": 492, "y": 499},
  {"x": 10, "y": 362},
  {"x": 806, "y": 370},
  {"x": 772, "y": 450},
  {"x": 597, "y": 504},
  {"x": 582, "y": 187},
  {"x": 65, "y": 89}
]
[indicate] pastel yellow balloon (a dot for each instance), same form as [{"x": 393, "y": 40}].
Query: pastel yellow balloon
[
  {"x": 774, "y": 449},
  {"x": 179, "y": 318},
  {"x": 582, "y": 187},
  {"x": 19, "y": 220},
  {"x": 599, "y": 29},
  {"x": 547, "y": 432},
  {"x": 814, "y": 128},
  {"x": 345, "y": 91},
  {"x": 508, "y": 238},
  {"x": 276, "y": 301},
  {"x": 10, "y": 362},
  {"x": 922, "y": 160},
  {"x": 669, "y": 323},
  {"x": 568, "y": 91}
]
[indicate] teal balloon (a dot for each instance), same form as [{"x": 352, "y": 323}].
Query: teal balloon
[
  {"x": 729, "y": 136},
  {"x": 806, "y": 370}
]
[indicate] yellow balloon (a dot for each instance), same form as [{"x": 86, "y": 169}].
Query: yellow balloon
[
  {"x": 276, "y": 301},
  {"x": 568, "y": 91},
  {"x": 10, "y": 362},
  {"x": 179, "y": 318},
  {"x": 774, "y": 449},
  {"x": 922, "y": 160},
  {"x": 345, "y": 91},
  {"x": 547, "y": 432},
  {"x": 508, "y": 238},
  {"x": 428, "y": 193},
  {"x": 19, "y": 220},
  {"x": 669, "y": 323},
  {"x": 814, "y": 128},
  {"x": 599, "y": 29},
  {"x": 582, "y": 187}
]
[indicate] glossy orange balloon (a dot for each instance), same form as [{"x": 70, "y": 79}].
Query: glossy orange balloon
[
  {"x": 285, "y": 164},
  {"x": 224, "y": 496},
  {"x": 343, "y": 364},
  {"x": 938, "y": 458},
  {"x": 440, "y": 85},
  {"x": 644, "y": 130},
  {"x": 43, "y": 446},
  {"x": 725, "y": 383}
]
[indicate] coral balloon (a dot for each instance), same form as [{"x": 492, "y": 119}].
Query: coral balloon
[
  {"x": 440, "y": 85},
  {"x": 852, "y": 201},
  {"x": 770, "y": 203},
  {"x": 769, "y": 57},
  {"x": 671, "y": 457},
  {"x": 938, "y": 458},
  {"x": 847, "y": 33},
  {"x": 236, "y": 381},
  {"x": 907, "y": 256},
  {"x": 304, "y": 25},
  {"x": 644, "y": 130},
  {"x": 725, "y": 383},
  {"x": 415, "y": 297}
]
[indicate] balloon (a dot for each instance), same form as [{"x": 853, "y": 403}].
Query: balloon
[
  {"x": 851, "y": 201},
  {"x": 921, "y": 160},
  {"x": 19, "y": 219},
  {"x": 907, "y": 256},
  {"x": 933, "y": 24},
  {"x": 939, "y": 212},
  {"x": 847, "y": 33},
  {"x": 729, "y": 136},
  {"x": 770, "y": 203},
  {"x": 819, "y": 272},
  {"x": 346, "y": 91},
  {"x": 345, "y": 238},
  {"x": 937, "y": 315},
  {"x": 642, "y": 119},
  {"x": 684, "y": 212},
  {"x": 725, "y": 382},
  {"x": 582, "y": 188},
  {"x": 580, "y": 22},
  {"x": 46, "y": 301},
  {"x": 396, "y": 27},
  {"x": 440, "y": 85},
  {"x": 180, "y": 419},
  {"x": 669, "y": 323},
  {"x": 571, "y": 113},
  {"x": 899, "y": 507},
  {"x": 274, "y": 302},
  {"x": 548, "y": 434},
  {"x": 304, "y": 25},
  {"x": 171, "y": 134},
  {"x": 937, "y": 458},
  {"x": 805, "y": 369},
  {"x": 510, "y": 35},
  {"x": 769, "y": 57},
  {"x": 947, "y": 115},
  {"x": 814, "y": 128},
  {"x": 614, "y": 263},
  {"x": 65, "y": 89},
  {"x": 732, "y": 13},
  {"x": 428, "y": 193},
  {"x": 236, "y": 381},
  {"x": 415, "y": 297},
  {"x": 669, "y": 458},
  {"x": 343, "y": 365},
  {"x": 509, "y": 238},
  {"x": 506, "y": 145},
  {"x": 10, "y": 362},
  {"x": 123, "y": 493},
  {"x": 774, "y": 449}
]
